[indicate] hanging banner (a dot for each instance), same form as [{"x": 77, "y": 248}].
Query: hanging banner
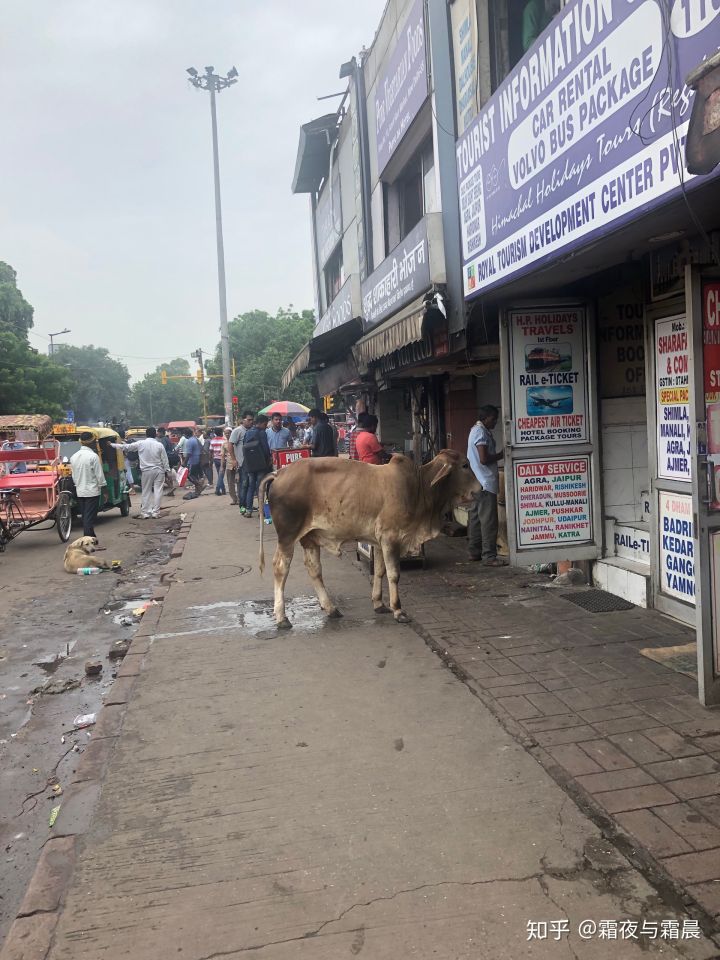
[
  {"x": 677, "y": 548},
  {"x": 672, "y": 382},
  {"x": 586, "y": 133},
  {"x": 463, "y": 17},
  {"x": 549, "y": 384},
  {"x": 552, "y": 502}
]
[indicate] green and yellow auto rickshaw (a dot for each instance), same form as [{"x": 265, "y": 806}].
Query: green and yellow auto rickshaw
[{"x": 116, "y": 492}]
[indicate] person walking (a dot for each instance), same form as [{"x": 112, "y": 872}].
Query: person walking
[
  {"x": 216, "y": 448},
  {"x": 205, "y": 454},
  {"x": 483, "y": 514},
  {"x": 324, "y": 443},
  {"x": 236, "y": 439},
  {"x": 229, "y": 466},
  {"x": 257, "y": 460},
  {"x": 191, "y": 458},
  {"x": 154, "y": 468},
  {"x": 173, "y": 459},
  {"x": 278, "y": 436},
  {"x": 89, "y": 479}
]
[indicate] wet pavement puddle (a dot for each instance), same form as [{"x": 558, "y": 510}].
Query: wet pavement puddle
[{"x": 255, "y": 618}]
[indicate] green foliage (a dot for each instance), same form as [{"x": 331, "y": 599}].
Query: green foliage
[
  {"x": 100, "y": 384},
  {"x": 29, "y": 381},
  {"x": 16, "y": 314},
  {"x": 153, "y": 403},
  {"x": 263, "y": 346}
]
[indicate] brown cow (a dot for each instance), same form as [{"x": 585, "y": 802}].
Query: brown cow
[{"x": 325, "y": 502}]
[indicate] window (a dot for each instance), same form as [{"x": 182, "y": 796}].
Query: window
[
  {"x": 334, "y": 275},
  {"x": 514, "y": 27},
  {"x": 410, "y": 197}
]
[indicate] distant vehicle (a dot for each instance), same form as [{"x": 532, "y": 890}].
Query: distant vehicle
[{"x": 213, "y": 420}]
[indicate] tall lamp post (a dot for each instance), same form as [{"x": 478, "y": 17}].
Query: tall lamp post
[
  {"x": 58, "y": 334},
  {"x": 215, "y": 84}
]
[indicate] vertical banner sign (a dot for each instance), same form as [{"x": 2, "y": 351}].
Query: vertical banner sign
[
  {"x": 711, "y": 380},
  {"x": 463, "y": 15},
  {"x": 552, "y": 502},
  {"x": 549, "y": 384},
  {"x": 677, "y": 549},
  {"x": 672, "y": 381},
  {"x": 715, "y": 568}
]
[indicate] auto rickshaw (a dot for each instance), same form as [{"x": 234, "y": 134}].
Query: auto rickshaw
[{"x": 116, "y": 493}]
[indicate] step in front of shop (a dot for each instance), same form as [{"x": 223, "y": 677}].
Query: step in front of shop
[{"x": 624, "y": 578}]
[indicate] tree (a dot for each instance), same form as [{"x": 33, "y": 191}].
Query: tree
[
  {"x": 263, "y": 346},
  {"x": 100, "y": 384},
  {"x": 29, "y": 382},
  {"x": 152, "y": 402},
  {"x": 16, "y": 314}
]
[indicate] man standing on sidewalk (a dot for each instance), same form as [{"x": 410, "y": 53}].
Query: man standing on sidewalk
[
  {"x": 154, "y": 467},
  {"x": 236, "y": 439},
  {"x": 324, "y": 443},
  {"x": 89, "y": 479},
  {"x": 483, "y": 514},
  {"x": 278, "y": 436},
  {"x": 229, "y": 466},
  {"x": 257, "y": 461},
  {"x": 216, "y": 447}
]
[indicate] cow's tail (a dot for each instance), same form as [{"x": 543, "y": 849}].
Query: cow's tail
[{"x": 262, "y": 494}]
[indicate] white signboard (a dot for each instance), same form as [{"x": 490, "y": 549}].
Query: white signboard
[
  {"x": 672, "y": 394},
  {"x": 677, "y": 547},
  {"x": 548, "y": 356},
  {"x": 552, "y": 502}
]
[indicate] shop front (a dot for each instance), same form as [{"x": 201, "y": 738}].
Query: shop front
[{"x": 583, "y": 225}]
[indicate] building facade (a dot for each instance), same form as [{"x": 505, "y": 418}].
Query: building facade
[{"x": 586, "y": 216}]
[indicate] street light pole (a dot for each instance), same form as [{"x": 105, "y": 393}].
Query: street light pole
[
  {"x": 214, "y": 83},
  {"x": 58, "y": 334}
]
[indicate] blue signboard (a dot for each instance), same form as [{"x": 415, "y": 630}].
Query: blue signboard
[
  {"x": 587, "y": 132},
  {"x": 69, "y": 416},
  {"x": 403, "y": 88}
]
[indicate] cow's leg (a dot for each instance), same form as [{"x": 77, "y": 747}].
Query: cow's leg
[
  {"x": 281, "y": 567},
  {"x": 378, "y": 574},
  {"x": 391, "y": 556},
  {"x": 314, "y": 569}
]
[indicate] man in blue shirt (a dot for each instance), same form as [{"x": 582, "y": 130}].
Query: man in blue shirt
[
  {"x": 278, "y": 436},
  {"x": 483, "y": 515},
  {"x": 191, "y": 459}
]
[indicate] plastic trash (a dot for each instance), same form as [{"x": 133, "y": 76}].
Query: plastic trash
[
  {"x": 88, "y": 571},
  {"x": 84, "y": 720},
  {"x": 53, "y": 815},
  {"x": 266, "y": 513}
]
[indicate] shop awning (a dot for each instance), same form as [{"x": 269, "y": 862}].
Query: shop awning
[
  {"x": 322, "y": 350},
  {"x": 401, "y": 330},
  {"x": 298, "y": 365},
  {"x": 313, "y": 155}
]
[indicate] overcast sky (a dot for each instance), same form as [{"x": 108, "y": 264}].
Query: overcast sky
[{"x": 106, "y": 195}]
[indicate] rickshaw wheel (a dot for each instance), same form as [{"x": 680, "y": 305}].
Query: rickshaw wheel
[
  {"x": 125, "y": 506},
  {"x": 63, "y": 517}
]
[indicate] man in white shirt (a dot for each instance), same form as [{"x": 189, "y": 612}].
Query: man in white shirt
[
  {"x": 483, "y": 515},
  {"x": 89, "y": 479},
  {"x": 154, "y": 467}
]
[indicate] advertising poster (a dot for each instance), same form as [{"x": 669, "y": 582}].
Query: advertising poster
[
  {"x": 677, "y": 548},
  {"x": 548, "y": 355},
  {"x": 672, "y": 376},
  {"x": 621, "y": 342},
  {"x": 715, "y": 562},
  {"x": 711, "y": 380},
  {"x": 463, "y": 17},
  {"x": 552, "y": 502},
  {"x": 586, "y": 133}
]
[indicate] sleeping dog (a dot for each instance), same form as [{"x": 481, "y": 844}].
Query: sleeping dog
[{"x": 81, "y": 553}]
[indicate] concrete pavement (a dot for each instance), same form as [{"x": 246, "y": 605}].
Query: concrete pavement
[{"x": 330, "y": 791}]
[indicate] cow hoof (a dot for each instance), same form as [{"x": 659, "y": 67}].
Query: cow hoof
[
  {"x": 334, "y": 614},
  {"x": 383, "y": 609},
  {"x": 402, "y": 617},
  {"x": 284, "y": 625}
]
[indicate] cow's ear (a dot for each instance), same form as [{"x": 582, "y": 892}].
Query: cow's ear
[{"x": 444, "y": 470}]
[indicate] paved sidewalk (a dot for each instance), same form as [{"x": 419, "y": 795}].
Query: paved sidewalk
[
  {"x": 326, "y": 792},
  {"x": 626, "y": 735}
]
